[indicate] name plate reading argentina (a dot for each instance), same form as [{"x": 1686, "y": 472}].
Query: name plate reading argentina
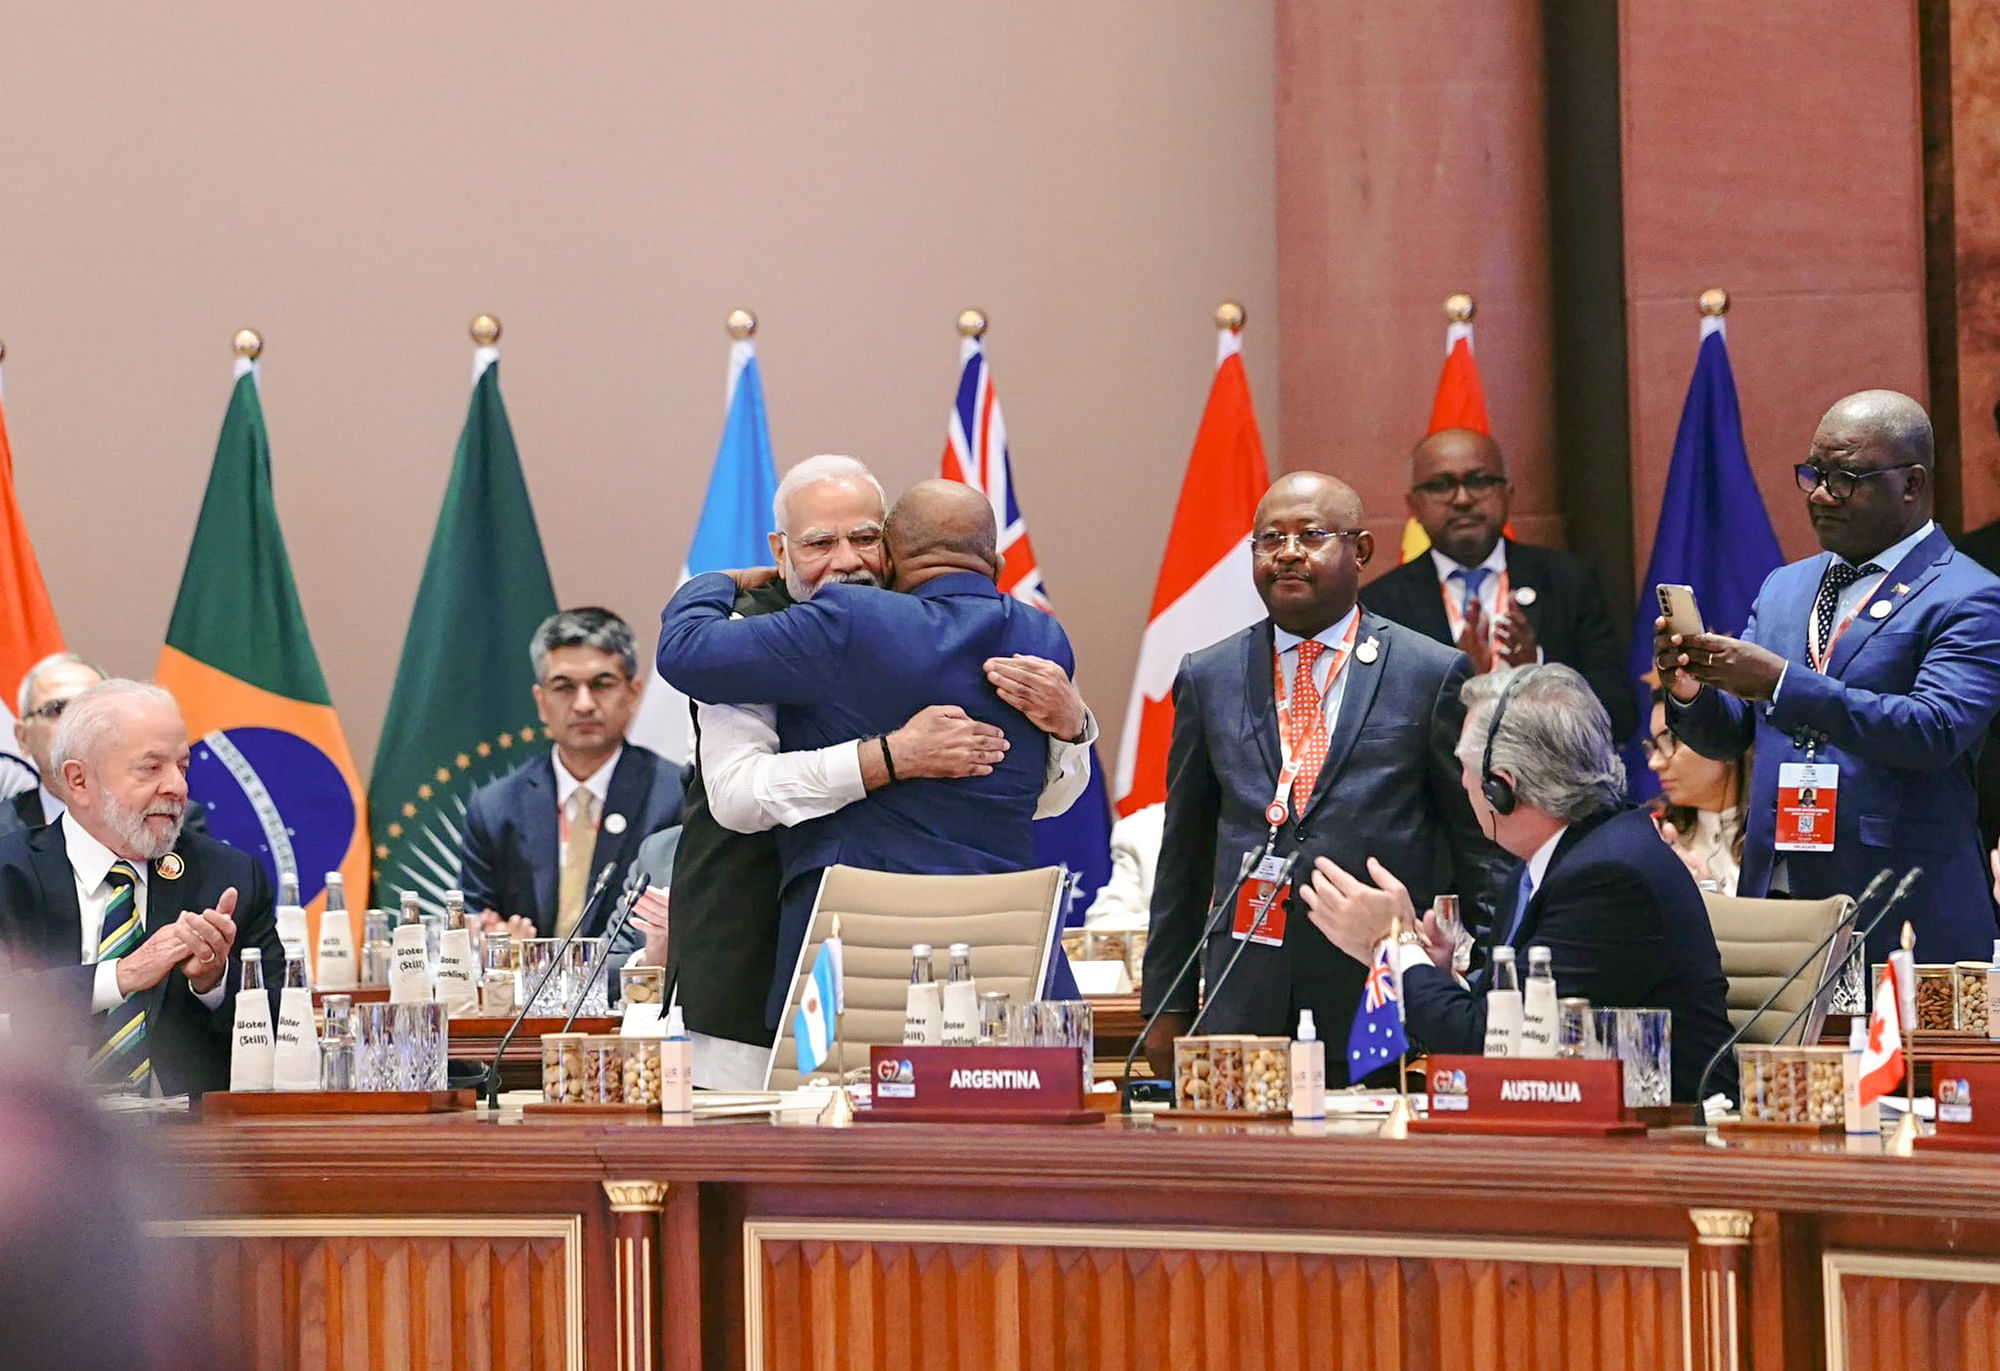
[
  {"x": 1526, "y": 1095},
  {"x": 985, "y": 1084}
]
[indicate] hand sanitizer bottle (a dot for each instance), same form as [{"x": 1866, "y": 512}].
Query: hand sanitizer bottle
[{"x": 1308, "y": 1070}]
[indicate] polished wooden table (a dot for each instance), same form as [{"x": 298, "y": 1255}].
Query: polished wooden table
[{"x": 473, "y": 1242}]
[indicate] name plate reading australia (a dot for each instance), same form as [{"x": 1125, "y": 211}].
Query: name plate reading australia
[
  {"x": 977, "y": 1084},
  {"x": 1526, "y": 1095}
]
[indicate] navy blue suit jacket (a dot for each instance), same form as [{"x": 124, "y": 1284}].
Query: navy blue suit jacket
[
  {"x": 511, "y": 858},
  {"x": 1389, "y": 789},
  {"x": 1902, "y": 709},
  {"x": 1625, "y": 927},
  {"x": 857, "y": 662},
  {"x": 40, "y": 951}
]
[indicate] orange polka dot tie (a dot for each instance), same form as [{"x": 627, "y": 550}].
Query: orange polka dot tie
[{"x": 1308, "y": 734}]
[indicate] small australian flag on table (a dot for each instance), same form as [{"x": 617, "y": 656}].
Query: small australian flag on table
[{"x": 1377, "y": 1037}]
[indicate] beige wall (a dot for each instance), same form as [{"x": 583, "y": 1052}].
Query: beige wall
[{"x": 356, "y": 181}]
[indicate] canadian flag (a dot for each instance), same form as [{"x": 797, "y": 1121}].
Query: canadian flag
[
  {"x": 1204, "y": 592},
  {"x": 1882, "y": 1059},
  {"x": 1460, "y": 403}
]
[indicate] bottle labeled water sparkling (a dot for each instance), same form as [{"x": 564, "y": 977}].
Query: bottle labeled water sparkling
[
  {"x": 337, "y": 969},
  {"x": 1538, "y": 1006},
  {"x": 960, "y": 1023},
  {"x": 923, "y": 1012}
]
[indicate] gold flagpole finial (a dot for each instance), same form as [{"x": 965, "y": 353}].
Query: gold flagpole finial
[
  {"x": 248, "y": 344},
  {"x": 1460, "y": 308},
  {"x": 1713, "y": 302},
  {"x": 1229, "y": 314},
  {"x": 836, "y": 924},
  {"x": 1909, "y": 936},
  {"x": 972, "y": 323},
  {"x": 485, "y": 330},
  {"x": 742, "y": 325}
]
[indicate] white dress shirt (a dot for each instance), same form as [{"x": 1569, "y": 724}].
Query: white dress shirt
[
  {"x": 598, "y": 783},
  {"x": 1495, "y": 566},
  {"x": 1288, "y": 663},
  {"x": 90, "y": 863},
  {"x": 752, "y": 786},
  {"x": 1538, "y": 864}
]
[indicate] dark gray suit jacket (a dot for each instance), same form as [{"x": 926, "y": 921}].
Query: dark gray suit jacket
[{"x": 1390, "y": 789}]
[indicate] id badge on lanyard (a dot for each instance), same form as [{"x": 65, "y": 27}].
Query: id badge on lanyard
[
  {"x": 1263, "y": 887},
  {"x": 1808, "y": 799}
]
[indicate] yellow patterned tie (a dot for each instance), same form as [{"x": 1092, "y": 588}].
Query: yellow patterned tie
[
  {"x": 121, "y": 1060},
  {"x": 577, "y": 852}
]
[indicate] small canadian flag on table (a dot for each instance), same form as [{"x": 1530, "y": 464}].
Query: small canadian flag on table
[{"x": 1882, "y": 1059}]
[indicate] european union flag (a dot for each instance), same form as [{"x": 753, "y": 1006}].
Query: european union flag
[
  {"x": 1377, "y": 1037},
  {"x": 1713, "y": 533}
]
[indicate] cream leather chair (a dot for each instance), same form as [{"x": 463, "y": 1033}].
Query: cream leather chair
[
  {"x": 1009, "y": 919},
  {"x": 1761, "y": 941}
]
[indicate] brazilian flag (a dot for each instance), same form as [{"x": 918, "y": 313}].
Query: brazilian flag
[
  {"x": 268, "y": 759},
  {"x": 462, "y": 713}
]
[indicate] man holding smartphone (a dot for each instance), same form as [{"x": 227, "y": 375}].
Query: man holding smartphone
[{"x": 1867, "y": 678}]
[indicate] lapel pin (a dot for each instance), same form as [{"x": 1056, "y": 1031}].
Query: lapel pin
[
  {"x": 170, "y": 867},
  {"x": 1902, "y": 589},
  {"x": 614, "y": 824},
  {"x": 1524, "y": 596},
  {"x": 1367, "y": 652},
  {"x": 1879, "y": 610}
]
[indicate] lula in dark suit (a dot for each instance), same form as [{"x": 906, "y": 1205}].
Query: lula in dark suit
[
  {"x": 511, "y": 861},
  {"x": 1389, "y": 789},
  {"x": 857, "y": 662},
  {"x": 1566, "y": 608},
  {"x": 41, "y": 933},
  {"x": 1625, "y": 927},
  {"x": 1902, "y": 709}
]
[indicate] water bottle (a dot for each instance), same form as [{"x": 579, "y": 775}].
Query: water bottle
[
  {"x": 1503, "y": 1007},
  {"x": 960, "y": 1000},
  {"x": 923, "y": 1012},
  {"x": 337, "y": 966},
  {"x": 1538, "y": 1006}
]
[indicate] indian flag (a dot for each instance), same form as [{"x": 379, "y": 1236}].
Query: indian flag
[
  {"x": 269, "y": 759},
  {"x": 28, "y": 630}
]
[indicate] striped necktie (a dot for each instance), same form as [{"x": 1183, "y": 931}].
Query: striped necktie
[{"x": 122, "y": 1060}]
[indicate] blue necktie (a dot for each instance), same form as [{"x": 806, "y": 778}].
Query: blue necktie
[
  {"x": 1527, "y": 893},
  {"x": 1474, "y": 581}
]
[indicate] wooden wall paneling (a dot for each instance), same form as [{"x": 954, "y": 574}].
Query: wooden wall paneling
[{"x": 1894, "y": 1312}]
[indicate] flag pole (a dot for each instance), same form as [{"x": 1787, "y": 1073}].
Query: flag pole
[
  {"x": 839, "y": 1111},
  {"x": 1902, "y": 1143},
  {"x": 1397, "y": 1125}
]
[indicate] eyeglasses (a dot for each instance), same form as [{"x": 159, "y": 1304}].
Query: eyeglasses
[
  {"x": 864, "y": 539},
  {"x": 1661, "y": 745},
  {"x": 1839, "y": 481},
  {"x": 51, "y": 710},
  {"x": 1271, "y": 543},
  {"x": 1475, "y": 484}
]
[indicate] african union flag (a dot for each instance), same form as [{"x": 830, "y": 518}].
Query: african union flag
[
  {"x": 463, "y": 710},
  {"x": 269, "y": 759}
]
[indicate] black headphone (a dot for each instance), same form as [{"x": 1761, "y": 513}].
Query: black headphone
[{"x": 1498, "y": 790}]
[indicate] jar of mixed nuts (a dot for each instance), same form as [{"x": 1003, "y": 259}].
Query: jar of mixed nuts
[
  {"x": 1194, "y": 1074},
  {"x": 1969, "y": 997},
  {"x": 1786, "y": 1086},
  {"x": 1753, "y": 1074},
  {"x": 642, "y": 1071},
  {"x": 562, "y": 1068},
  {"x": 1226, "y": 1057},
  {"x": 1824, "y": 1102},
  {"x": 1267, "y": 1075},
  {"x": 603, "y": 1069}
]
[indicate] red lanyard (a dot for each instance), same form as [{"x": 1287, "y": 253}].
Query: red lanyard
[
  {"x": 1455, "y": 616},
  {"x": 1820, "y": 659},
  {"x": 1291, "y": 737}
]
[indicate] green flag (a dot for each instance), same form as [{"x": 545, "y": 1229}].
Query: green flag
[{"x": 462, "y": 713}]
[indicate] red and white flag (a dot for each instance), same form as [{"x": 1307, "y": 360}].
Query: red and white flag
[
  {"x": 1204, "y": 592},
  {"x": 1460, "y": 402},
  {"x": 28, "y": 630},
  {"x": 1882, "y": 1059}
]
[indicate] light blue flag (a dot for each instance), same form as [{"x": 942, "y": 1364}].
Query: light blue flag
[
  {"x": 735, "y": 517},
  {"x": 819, "y": 1008}
]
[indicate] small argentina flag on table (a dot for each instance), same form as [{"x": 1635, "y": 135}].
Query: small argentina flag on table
[{"x": 819, "y": 1006}]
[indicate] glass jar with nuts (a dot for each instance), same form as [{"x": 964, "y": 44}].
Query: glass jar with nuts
[
  {"x": 642, "y": 985},
  {"x": 1267, "y": 1075},
  {"x": 1936, "y": 1000},
  {"x": 1969, "y": 997},
  {"x": 1824, "y": 1104},
  {"x": 642, "y": 1072},
  {"x": 603, "y": 1069},
  {"x": 1753, "y": 1074},
  {"x": 562, "y": 1068}
]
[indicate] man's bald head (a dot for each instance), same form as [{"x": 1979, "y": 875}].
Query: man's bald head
[
  {"x": 1309, "y": 589},
  {"x": 942, "y": 526},
  {"x": 1889, "y": 419},
  {"x": 1883, "y": 438},
  {"x": 1459, "y": 493}
]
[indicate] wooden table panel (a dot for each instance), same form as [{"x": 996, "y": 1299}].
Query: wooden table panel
[{"x": 1892, "y": 1312}]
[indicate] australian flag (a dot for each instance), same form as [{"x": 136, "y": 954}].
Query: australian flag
[
  {"x": 1377, "y": 1037},
  {"x": 1714, "y": 533},
  {"x": 975, "y": 452}
]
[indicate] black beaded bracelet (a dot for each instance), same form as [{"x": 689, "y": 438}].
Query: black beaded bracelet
[{"x": 887, "y": 760}]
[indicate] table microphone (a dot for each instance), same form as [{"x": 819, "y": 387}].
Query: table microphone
[
  {"x": 1208, "y": 928},
  {"x": 1846, "y": 922},
  {"x": 1895, "y": 898},
  {"x": 583, "y": 917},
  {"x": 1256, "y": 924},
  {"x": 621, "y": 914}
]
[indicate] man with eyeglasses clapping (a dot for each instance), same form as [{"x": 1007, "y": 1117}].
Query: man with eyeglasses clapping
[
  {"x": 1869, "y": 675},
  {"x": 1500, "y": 601}
]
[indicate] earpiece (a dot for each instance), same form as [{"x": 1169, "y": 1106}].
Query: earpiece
[{"x": 1498, "y": 790}]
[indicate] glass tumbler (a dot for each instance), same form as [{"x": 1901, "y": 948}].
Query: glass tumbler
[
  {"x": 1646, "y": 1041},
  {"x": 336, "y": 1055},
  {"x": 422, "y": 1045},
  {"x": 993, "y": 1016},
  {"x": 375, "y": 1046},
  {"x": 541, "y": 977}
]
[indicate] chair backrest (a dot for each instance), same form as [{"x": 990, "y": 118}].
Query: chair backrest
[
  {"x": 1009, "y": 919},
  {"x": 1761, "y": 941}
]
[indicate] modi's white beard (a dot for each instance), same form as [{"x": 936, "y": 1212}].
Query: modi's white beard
[
  {"x": 130, "y": 827},
  {"x": 802, "y": 590}
]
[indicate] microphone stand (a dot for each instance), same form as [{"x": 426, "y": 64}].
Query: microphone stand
[
  {"x": 621, "y": 915},
  {"x": 1256, "y": 925},
  {"x": 1209, "y": 924},
  {"x": 1895, "y": 898},
  {"x": 1840, "y": 925},
  {"x": 527, "y": 1000}
]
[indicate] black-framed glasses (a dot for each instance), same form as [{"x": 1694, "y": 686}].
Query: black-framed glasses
[
  {"x": 51, "y": 710},
  {"x": 1271, "y": 542},
  {"x": 1475, "y": 484},
  {"x": 1839, "y": 481},
  {"x": 1662, "y": 745}
]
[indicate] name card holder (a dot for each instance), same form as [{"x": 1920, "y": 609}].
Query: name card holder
[
  {"x": 976, "y": 1085},
  {"x": 1527, "y": 1096},
  {"x": 1968, "y": 1106}
]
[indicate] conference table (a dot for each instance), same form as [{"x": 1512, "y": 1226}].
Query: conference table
[{"x": 769, "y": 1242}]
